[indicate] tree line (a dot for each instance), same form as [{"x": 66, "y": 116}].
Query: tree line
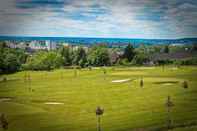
[{"x": 12, "y": 60}]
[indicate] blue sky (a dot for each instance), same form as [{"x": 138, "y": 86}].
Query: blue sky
[{"x": 99, "y": 18}]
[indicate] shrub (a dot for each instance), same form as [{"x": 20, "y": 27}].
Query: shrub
[
  {"x": 129, "y": 52},
  {"x": 141, "y": 83},
  {"x": 185, "y": 84},
  {"x": 124, "y": 62},
  {"x": 44, "y": 61},
  {"x": 11, "y": 59},
  {"x": 4, "y": 79},
  {"x": 190, "y": 61},
  {"x": 140, "y": 59},
  {"x": 3, "y": 122},
  {"x": 99, "y": 56}
]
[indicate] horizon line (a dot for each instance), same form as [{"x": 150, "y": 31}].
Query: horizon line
[{"x": 94, "y": 37}]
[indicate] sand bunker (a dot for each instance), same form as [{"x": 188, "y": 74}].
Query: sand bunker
[
  {"x": 120, "y": 81},
  {"x": 54, "y": 103},
  {"x": 5, "y": 99},
  {"x": 167, "y": 83}
]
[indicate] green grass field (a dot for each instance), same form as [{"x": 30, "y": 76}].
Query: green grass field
[{"x": 127, "y": 106}]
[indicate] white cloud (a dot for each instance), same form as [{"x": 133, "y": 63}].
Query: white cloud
[{"x": 104, "y": 18}]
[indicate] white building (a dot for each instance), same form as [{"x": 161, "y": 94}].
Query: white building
[
  {"x": 50, "y": 45},
  {"x": 37, "y": 45},
  {"x": 43, "y": 45},
  {"x": 21, "y": 45}
]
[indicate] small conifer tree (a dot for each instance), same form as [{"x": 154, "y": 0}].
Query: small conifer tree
[
  {"x": 141, "y": 83},
  {"x": 185, "y": 84},
  {"x": 169, "y": 105},
  {"x": 99, "y": 113},
  {"x": 3, "y": 122}
]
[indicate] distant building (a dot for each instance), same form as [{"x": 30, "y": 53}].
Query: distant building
[
  {"x": 43, "y": 45},
  {"x": 37, "y": 45},
  {"x": 51, "y": 45}
]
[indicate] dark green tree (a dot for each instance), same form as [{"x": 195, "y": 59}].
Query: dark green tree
[
  {"x": 80, "y": 57},
  {"x": 166, "y": 49},
  {"x": 11, "y": 59},
  {"x": 185, "y": 84},
  {"x": 141, "y": 82},
  {"x": 140, "y": 58},
  {"x": 44, "y": 61},
  {"x": 129, "y": 52},
  {"x": 99, "y": 113},
  {"x": 99, "y": 56},
  {"x": 11, "y": 63},
  {"x": 67, "y": 53},
  {"x": 3, "y": 122},
  {"x": 1, "y": 60},
  {"x": 169, "y": 104}
]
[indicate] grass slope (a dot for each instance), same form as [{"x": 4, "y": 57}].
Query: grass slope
[{"x": 126, "y": 105}]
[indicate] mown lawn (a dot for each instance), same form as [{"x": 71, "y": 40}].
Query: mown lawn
[{"x": 127, "y": 106}]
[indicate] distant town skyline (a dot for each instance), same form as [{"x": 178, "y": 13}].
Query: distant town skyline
[{"x": 149, "y": 19}]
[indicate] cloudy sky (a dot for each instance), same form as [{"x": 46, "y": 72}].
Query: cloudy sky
[{"x": 99, "y": 18}]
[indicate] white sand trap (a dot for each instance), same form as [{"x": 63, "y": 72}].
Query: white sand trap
[
  {"x": 120, "y": 81},
  {"x": 167, "y": 84},
  {"x": 5, "y": 99},
  {"x": 54, "y": 103}
]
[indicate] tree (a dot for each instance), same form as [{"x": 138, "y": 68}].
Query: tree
[
  {"x": 194, "y": 47},
  {"x": 3, "y": 122},
  {"x": 140, "y": 59},
  {"x": 80, "y": 57},
  {"x": 166, "y": 49},
  {"x": 1, "y": 60},
  {"x": 169, "y": 104},
  {"x": 44, "y": 61},
  {"x": 3, "y": 45},
  {"x": 185, "y": 84},
  {"x": 99, "y": 56},
  {"x": 67, "y": 54},
  {"x": 11, "y": 63},
  {"x": 141, "y": 82},
  {"x": 99, "y": 112},
  {"x": 129, "y": 52},
  {"x": 11, "y": 59}
]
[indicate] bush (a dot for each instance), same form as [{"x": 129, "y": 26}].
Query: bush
[
  {"x": 12, "y": 63},
  {"x": 165, "y": 62},
  {"x": 99, "y": 56},
  {"x": 44, "y": 61},
  {"x": 129, "y": 52},
  {"x": 11, "y": 59},
  {"x": 124, "y": 62},
  {"x": 191, "y": 61},
  {"x": 140, "y": 59},
  {"x": 185, "y": 84}
]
